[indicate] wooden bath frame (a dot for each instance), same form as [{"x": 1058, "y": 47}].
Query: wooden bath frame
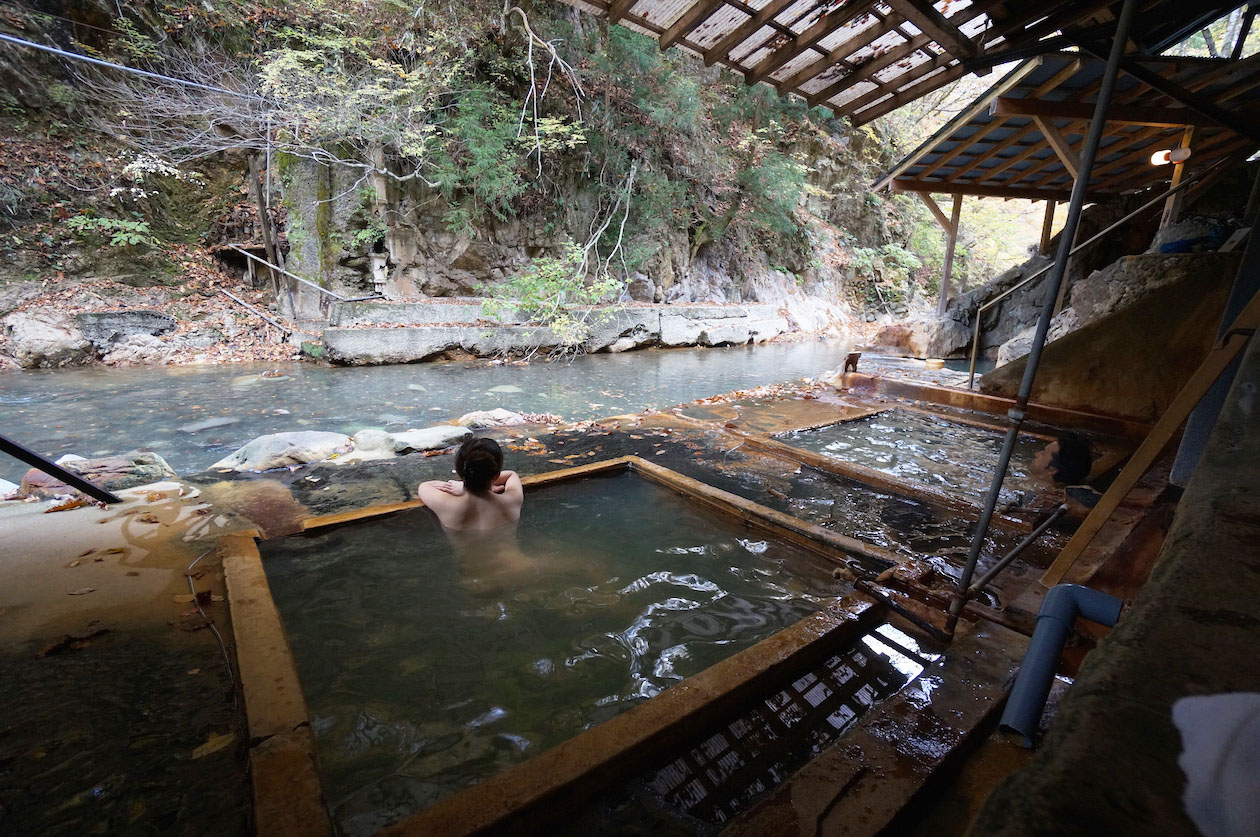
[{"x": 287, "y": 792}]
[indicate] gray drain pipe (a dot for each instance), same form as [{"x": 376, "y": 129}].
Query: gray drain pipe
[{"x": 1058, "y": 612}]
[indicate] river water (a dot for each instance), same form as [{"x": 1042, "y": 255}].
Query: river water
[{"x": 100, "y": 410}]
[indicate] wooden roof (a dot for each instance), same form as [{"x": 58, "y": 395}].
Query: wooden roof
[
  {"x": 864, "y": 58},
  {"x": 1020, "y": 137}
]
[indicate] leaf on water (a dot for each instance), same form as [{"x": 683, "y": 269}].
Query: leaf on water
[
  {"x": 89, "y": 552},
  {"x": 74, "y": 564},
  {"x": 115, "y": 550},
  {"x": 82, "y": 591},
  {"x": 558, "y": 461},
  {"x": 214, "y": 744},
  {"x": 183, "y": 598},
  {"x": 194, "y": 671}
]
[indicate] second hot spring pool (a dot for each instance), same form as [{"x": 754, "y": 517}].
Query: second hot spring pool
[
  {"x": 430, "y": 664},
  {"x": 927, "y": 449}
]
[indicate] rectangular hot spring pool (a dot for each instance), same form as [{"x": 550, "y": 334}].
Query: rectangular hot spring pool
[
  {"x": 925, "y": 448},
  {"x": 430, "y": 663}
]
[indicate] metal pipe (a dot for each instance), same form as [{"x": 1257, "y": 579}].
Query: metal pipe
[
  {"x": 251, "y": 308},
  {"x": 51, "y": 468},
  {"x": 1020, "y": 547},
  {"x": 1185, "y": 184},
  {"x": 1058, "y": 614},
  {"x": 1016, "y": 413},
  {"x": 914, "y": 619},
  {"x": 322, "y": 290}
]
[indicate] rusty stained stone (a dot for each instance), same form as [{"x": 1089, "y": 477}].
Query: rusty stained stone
[
  {"x": 858, "y": 785},
  {"x": 288, "y": 799},
  {"x": 273, "y": 695}
]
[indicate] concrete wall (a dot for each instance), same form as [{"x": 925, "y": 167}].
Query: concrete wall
[
  {"x": 1131, "y": 363},
  {"x": 368, "y": 333}
]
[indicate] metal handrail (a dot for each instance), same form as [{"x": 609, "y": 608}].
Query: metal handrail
[
  {"x": 975, "y": 334},
  {"x": 290, "y": 274}
]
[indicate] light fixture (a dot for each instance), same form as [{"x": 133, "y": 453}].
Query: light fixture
[{"x": 1170, "y": 155}]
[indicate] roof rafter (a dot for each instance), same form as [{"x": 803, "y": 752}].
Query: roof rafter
[
  {"x": 925, "y": 16},
  {"x": 825, "y": 25}
]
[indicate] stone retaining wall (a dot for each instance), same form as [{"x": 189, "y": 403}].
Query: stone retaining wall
[{"x": 375, "y": 333}]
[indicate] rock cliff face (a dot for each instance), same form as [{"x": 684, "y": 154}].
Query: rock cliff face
[{"x": 358, "y": 238}]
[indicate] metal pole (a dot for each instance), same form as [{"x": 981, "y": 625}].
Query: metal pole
[
  {"x": 51, "y": 468},
  {"x": 1014, "y": 553},
  {"x": 1016, "y": 413}
]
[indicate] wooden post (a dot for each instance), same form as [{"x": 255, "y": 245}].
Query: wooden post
[
  {"x": 950, "y": 241},
  {"x": 264, "y": 219},
  {"x": 1047, "y": 227},
  {"x": 1172, "y": 206}
]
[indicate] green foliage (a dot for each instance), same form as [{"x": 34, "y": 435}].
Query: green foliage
[
  {"x": 555, "y": 293},
  {"x": 121, "y": 232},
  {"x": 134, "y": 45}
]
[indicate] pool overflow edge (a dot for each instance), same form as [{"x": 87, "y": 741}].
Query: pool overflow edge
[{"x": 287, "y": 791}]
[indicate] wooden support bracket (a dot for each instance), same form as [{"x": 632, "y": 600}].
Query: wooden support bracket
[{"x": 1058, "y": 142}]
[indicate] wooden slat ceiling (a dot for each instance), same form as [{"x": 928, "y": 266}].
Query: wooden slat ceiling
[
  {"x": 864, "y": 58},
  {"x": 1003, "y": 145}
]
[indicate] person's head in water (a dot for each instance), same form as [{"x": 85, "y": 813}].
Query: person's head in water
[
  {"x": 478, "y": 461},
  {"x": 1066, "y": 460}
]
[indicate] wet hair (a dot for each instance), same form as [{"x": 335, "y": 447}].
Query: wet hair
[
  {"x": 478, "y": 461},
  {"x": 1073, "y": 461}
]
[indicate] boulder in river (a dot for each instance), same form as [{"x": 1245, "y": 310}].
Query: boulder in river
[
  {"x": 46, "y": 339},
  {"x": 429, "y": 438},
  {"x": 280, "y": 450},
  {"x": 497, "y": 417},
  {"x": 111, "y": 473}
]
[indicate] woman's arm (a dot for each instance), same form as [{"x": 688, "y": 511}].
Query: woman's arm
[{"x": 508, "y": 482}]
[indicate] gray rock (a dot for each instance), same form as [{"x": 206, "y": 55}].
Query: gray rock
[
  {"x": 280, "y": 450},
  {"x": 47, "y": 339},
  {"x": 429, "y": 438},
  {"x": 641, "y": 288},
  {"x": 372, "y": 438},
  {"x": 208, "y": 424},
  {"x": 108, "y": 327},
  {"x": 497, "y": 417}
]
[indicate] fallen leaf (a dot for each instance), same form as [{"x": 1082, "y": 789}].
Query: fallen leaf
[
  {"x": 115, "y": 550},
  {"x": 89, "y": 552},
  {"x": 82, "y": 591},
  {"x": 194, "y": 671},
  {"x": 74, "y": 503},
  {"x": 132, "y": 572},
  {"x": 184, "y": 598},
  {"x": 74, "y": 564},
  {"x": 214, "y": 744},
  {"x": 79, "y": 639}
]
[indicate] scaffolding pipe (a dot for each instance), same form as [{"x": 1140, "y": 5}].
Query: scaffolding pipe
[
  {"x": 975, "y": 333},
  {"x": 1014, "y": 553},
  {"x": 1016, "y": 413}
]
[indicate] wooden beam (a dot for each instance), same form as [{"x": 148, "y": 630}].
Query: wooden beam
[
  {"x": 881, "y": 62},
  {"x": 1042, "y": 89},
  {"x": 1161, "y": 434},
  {"x": 909, "y": 76},
  {"x": 618, "y": 8},
  {"x": 824, "y": 26},
  {"x": 951, "y": 239},
  {"x": 834, "y": 56},
  {"x": 1172, "y": 206},
  {"x": 901, "y": 97},
  {"x": 1047, "y": 227},
  {"x": 1133, "y": 115},
  {"x": 935, "y": 209},
  {"x": 688, "y": 20},
  {"x": 1060, "y": 145},
  {"x": 925, "y": 16},
  {"x": 902, "y": 184},
  {"x": 742, "y": 32},
  {"x": 1236, "y": 122}
]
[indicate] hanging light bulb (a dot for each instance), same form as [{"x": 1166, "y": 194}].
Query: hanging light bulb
[{"x": 1170, "y": 155}]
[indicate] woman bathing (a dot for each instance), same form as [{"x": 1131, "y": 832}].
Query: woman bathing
[
  {"x": 479, "y": 513},
  {"x": 486, "y": 497}
]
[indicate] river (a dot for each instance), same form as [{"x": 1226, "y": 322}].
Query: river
[{"x": 98, "y": 411}]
